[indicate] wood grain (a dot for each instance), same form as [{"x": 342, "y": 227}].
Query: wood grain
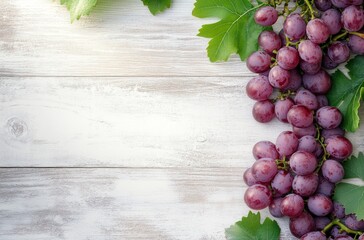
[{"x": 120, "y": 38}]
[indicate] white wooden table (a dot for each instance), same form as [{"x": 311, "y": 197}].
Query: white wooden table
[{"x": 118, "y": 126}]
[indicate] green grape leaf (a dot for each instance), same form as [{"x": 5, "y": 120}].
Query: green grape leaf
[
  {"x": 79, "y": 8},
  {"x": 157, "y": 6},
  {"x": 236, "y": 32},
  {"x": 250, "y": 228},
  {"x": 346, "y": 93},
  {"x": 351, "y": 197},
  {"x": 354, "y": 167}
]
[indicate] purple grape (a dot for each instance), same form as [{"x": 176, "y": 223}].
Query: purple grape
[
  {"x": 258, "y": 62},
  {"x": 356, "y": 44},
  {"x": 258, "y": 88},
  {"x": 300, "y": 132},
  {"x": 309, "y": 51},
  {"x": 266, "y": 16},
  {"x": 265, "y": 149},
  {"x": 323, "y": 5},
  {"x": 303, "y": 163},
  {"x": 249, "y": 178},
  {"x": 307, "y": 143},
  {"x": 279, "y": 77},
  {"x": 275, "y": 208},
  {"x": 361, "y": 237},
  {"x": 301, "y": 225},
  {"x": 282, "y": 182},
  {"x": 292, "y": 205},
  {"x": 318, "y": 83},
  {"x": 325, "y": 187},
  {"x": 321, "y": 222},
  {"x": 317, "y": 31},
  {"x": 332, "y": 171},
  {"x": 328, "y": 117},
  {"x": 295, "y": 82},
  {"x": 264, "y": 170},
  {"x": 328, "y": 63},
  {"x": 294, "y": 26},
  {"x": 263, "y": 111},
  {"x": 322, "y": 101},
  {"x": 338, "y": 147},
  {"x": 332, "y": 18},
  {"x": 326, "y": 133},
  {"x": 320, "y": 205},
  {"x": 338, "y": 211},
  {"x": 300, "y": 116},
  {"x": 338, "y": 52},
  {"x": 344, "y": 238},
  {"x": 352, "y": 18},
  {"x": 317, "y": 235},
  {"x": 269, "y": 41},
  {"x": 336, "y": 233},
  {"x": 282, "y": 107},
  {"x": 286, "y": 143},
  {"x": 352, "y": 222},
  {"x": 307, "y": 99},
  {"x": 305, "y": 185},
  {"x": 288, "y": 58},
  {"x": 258, "y": 197},
  {"x": 310, "y": 68}
]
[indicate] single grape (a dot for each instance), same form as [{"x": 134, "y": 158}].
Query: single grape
[
  {"x": 325, "y": 187},
  {"x": 294, "y": 26},
  {"x": 341, "y": 3},
  {"x": 306, "y": 98},
  {"x": 344, "y": 238},
  {"x": 279, "y": 77},
  {"x": 264, "y": 170},
  {"x": 317, "y": 235},
  {"x": 266, "y": 16},
  {"x": 292, "y": 205},
  {"x": 356, "y": 44},
  {"x": 309, "y": 51},
  {"x": 319, "y": 83},
  {"x": 361, "y": 237},
  {"x": 288, "y": 58},
  {"x": 326, "y": 133},
  {"x": 352, "y": 18},
  {"x": 269, "y": 41},
  {"x": 323, "y": 5},
  {"x": 286, "y": 143},
  {"x": 300, "y": 132},
  {"x": 258, "y": 62},
  {"x": 328, "y": 117},
  {"x": 332, "y": 171},
  {"x": 352, "y": 222},
  {"x": 258, "y": 88},
  {"x": 258, "y": 197},
  {"x": 282, "y": 182},
  {"x": 265, "y": 149},
  {"x": 307, "y": 143},
  {"x": 310, "y": 68},
  {"x": 338, "y": 147},
  {"x": 295, "y": 82},
  {"x": 303, "y": 163},
  {"x": 282, "y": 107},
  {"x": 317, "y": 31},
  {"x": 336, "y": 233},
  {"x": 332, "y": 18},
  {"x": 275, "y": 208},
  {"x": 321, "y": 222},
  {"x": 322, "y": 101},
  {"x": 320, "y": 205},
  {"x": 263, "y": 111},
  {"x": 248, "y": 177},
  {"x": 305, "y": 185},
  {"x": 327, "y": 63},
  {"x": 302, "y": 224},
  {"x": 300, "y": 116},
  {"x": 338, "y": 211},
  {"x": 338, "y": 52}
]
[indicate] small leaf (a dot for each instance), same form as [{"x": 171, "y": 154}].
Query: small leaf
[
  {"x": 351, "y": 197},
  {"x": 346, "y": 93},
  {"x": 157, "y": 6},
  {"x": 354, "y": 167},
  {"x": 250, "y": 228},
  {"x": 236, "y": 32},
  {"x": 79, "y": 8}
]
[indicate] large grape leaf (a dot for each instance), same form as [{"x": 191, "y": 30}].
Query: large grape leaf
[
  {"x": 157, "y": 6},
  {"x": 236, "y": 32},
  {"x": 346, "y": 93},
  {"x": 350, "y": 195},
  {"x": 250, "y": 228},
  {"x": 79, "y": 8}
]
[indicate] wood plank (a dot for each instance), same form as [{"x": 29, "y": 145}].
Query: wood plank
[
  {"x": 120, "y": 203},
  {"x": 128, "y": 122},
  {"x": 120, "y": 38}
]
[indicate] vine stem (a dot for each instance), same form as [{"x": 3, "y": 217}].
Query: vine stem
[
  {"x": 312, "y": 12},
  {"x": 342, "y": 227},
  {"x": 321, "y": 140},
  {"x": 357, "y": 34}
]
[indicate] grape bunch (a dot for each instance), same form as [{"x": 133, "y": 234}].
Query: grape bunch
[{"x": 296, "y": 176}]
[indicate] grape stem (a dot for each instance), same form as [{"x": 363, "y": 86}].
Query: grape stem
[
  {"x": 342, "y": 226},
  {"x": 357, "y": 34},
  {"x": 339, "y": 36},
  {"x": 321, "y": 140},
  {"x": 312, "y": 12}
]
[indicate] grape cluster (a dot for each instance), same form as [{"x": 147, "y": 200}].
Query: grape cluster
[{"x": 296, "y": 176}]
